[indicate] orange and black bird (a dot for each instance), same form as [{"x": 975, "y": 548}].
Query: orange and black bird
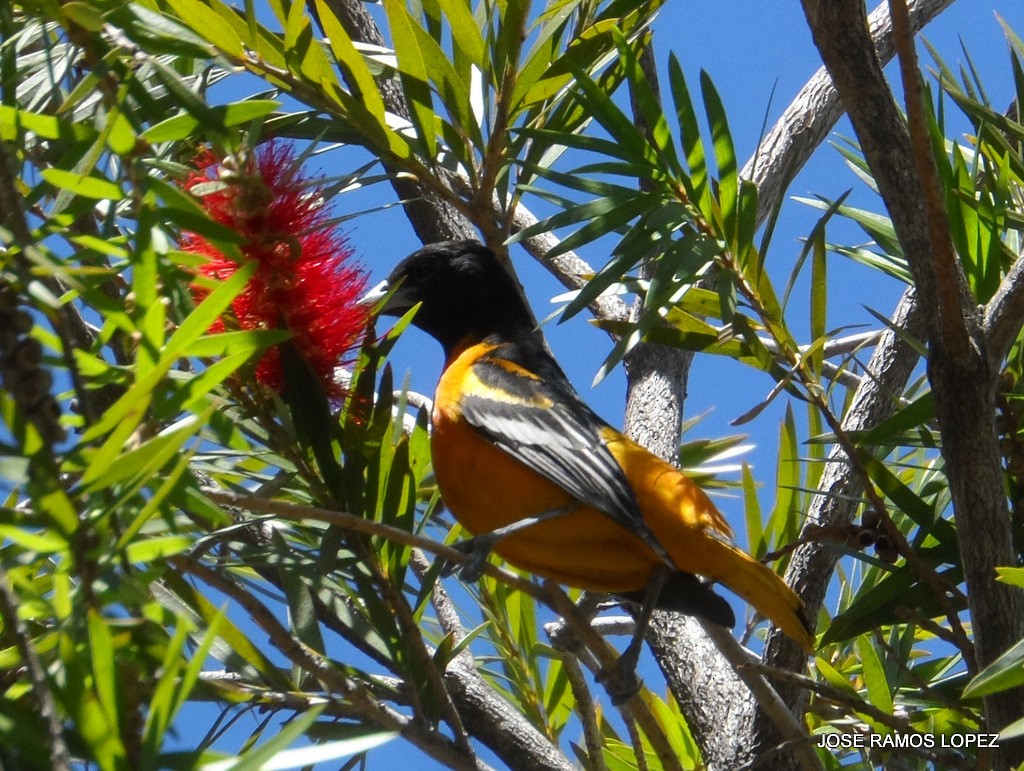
[{"x": 524, "y": 464}]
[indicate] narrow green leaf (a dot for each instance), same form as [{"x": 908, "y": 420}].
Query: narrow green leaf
[
  {"x": 1012, "y": 731},
  {"x": 1004, "y": 673},
  {"x": 154, "y": 502},
  {"x": 833, "y": 677},
  {"x": 876, "y": 606},
  {"x": 133, "y": 402},
  {"x": 182, "y": 126},
  {"x": 1011, "y": 576},
  {"x": 154, "y": 549},
  {"x": 46, "y": 126},
  {"x": 909, "y": 502},
  {"x": 205, "y": 21},
  {"x": 85, "y": 186},
  {"x": 357, "y": 74},
  {"x": 756, "y": 541},
  {"x": 413, "y": 74},
  {"x": 266, "y": 756},
  {"x": 879, "y": 692},
  {"x": 725, "y": 157},
  {"x": 104, "y": 671},
  {"x": 783, "y": 520},
  {"x": 306, "y": 757},
  {"x": 819, "y": 298},
  {"x": 465, "y": 31},
  {"x": 620, "y": 126},
  {"x": 233, "y": 644},
  {"x": 689, "y": 130},
  {"x": 41, "y": 542}
]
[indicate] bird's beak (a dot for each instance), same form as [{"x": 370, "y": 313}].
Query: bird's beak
[
  {"x": 390, "y": 300},
  {"x": 376, "y": 294}
]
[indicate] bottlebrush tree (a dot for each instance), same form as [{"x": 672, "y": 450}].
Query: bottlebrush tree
[{"x": 220, "y": 540}]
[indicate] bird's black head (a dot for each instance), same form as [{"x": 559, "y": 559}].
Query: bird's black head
[{"x": 465, "y": 291}]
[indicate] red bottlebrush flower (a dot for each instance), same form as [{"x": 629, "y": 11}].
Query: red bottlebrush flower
[{"x": 304, "y": 282}]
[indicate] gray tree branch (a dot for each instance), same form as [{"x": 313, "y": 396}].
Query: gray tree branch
[
  {"x": 812, "y": 564},
  {"x": 959, "y": 370},
  {"x": 1004, "y": 314},
  {"x": 806, "y": 122}
]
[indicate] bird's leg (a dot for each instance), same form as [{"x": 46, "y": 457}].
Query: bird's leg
[
  {"x": 479, "y": 547},
  {"x": 622, "y": 682}
]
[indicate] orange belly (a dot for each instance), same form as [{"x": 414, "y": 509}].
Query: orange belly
[{"x": 486, "y": 489}]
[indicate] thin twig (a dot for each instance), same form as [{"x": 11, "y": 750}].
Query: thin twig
[
  {"x": 606, "y": 658},
  {"x": 585, "y": 710},
  {"x": 826, "y": 691},
  {"x": 747, "y": 667},
  {"x": 323, "y": 669},
  {"x": 298, "y": 513},
  {"x": 60, "y": 759},
  {"x": 948, "y": 274}
]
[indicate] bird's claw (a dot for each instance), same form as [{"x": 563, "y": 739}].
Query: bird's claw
[
  {"x": 477, "y": 550},
  {"x": 620, "y": 681}
]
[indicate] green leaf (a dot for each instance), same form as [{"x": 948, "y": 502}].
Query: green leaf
[
  {"x": 1011, "y": 576},
  {"x": 833, "y": 677},
  {"x": 46, "y": 126},
  {"x": 465, "y": 31},
  {"x": 104, "y": 671},
  {"x": 263, "y": 757},
  {"x": 86, "y": 186},
  {"x": 154, "y": 549},
  {"x": 357, "y": 74},
  {"x": 879, "y": 692},
  {"x": 233, "y": 644},
  {"x": 135, "y": 401},
  {"x": 183, "y": 125},
  {"x": 725, "y": 157},
  {"x": 413, "y": 74},
  {"x": 689, "y": 133},
  {"x": 756, "y": 541},
  {"x": 909, "y": 502},
  {"x": 1004, "y": 673},
  {"x": 109, "y": 465},
  {"x": 305, "y": 757},
  {"x": 154, "y": 502},
  {"x": 819, "y": 298},
  {"x": 876, "y": 606},
  {"x": 241, "y": 341},
  {"x": 784, "y": 518},
  {"x": 205, "y": 21},
  {"x": 84, "y": 15},
  {"x": 1012, "y": 731},
  {"x": 41, "y": 542}
]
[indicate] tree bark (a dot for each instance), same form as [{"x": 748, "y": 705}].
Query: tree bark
[
  {"x": 812, "y": 564},
  {"x": 809, "y": 118},
  {"x": 432, "y": 219},
  {"x": 960, "y": 370}
]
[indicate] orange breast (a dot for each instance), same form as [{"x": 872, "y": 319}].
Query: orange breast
[{"x": 486, "y": 489}]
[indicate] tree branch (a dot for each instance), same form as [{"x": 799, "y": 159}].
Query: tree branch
[
  {"x": 959, "y": 371},
  {"x": 1004, "y": 314},
  {"x": 809, "y": 118},
  {"x": 60, "y": 758}
]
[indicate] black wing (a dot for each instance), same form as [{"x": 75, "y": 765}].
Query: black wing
[{"x": 523, "y": 403}]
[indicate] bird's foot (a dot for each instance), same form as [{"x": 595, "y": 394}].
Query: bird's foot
[
  {"x": 477, "y": 550},
  {"x": 621, "y": 681}
]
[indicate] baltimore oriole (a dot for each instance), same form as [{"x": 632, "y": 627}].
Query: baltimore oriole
[{"x": 512, "y": 441}]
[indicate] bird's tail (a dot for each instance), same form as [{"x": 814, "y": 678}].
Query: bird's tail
[{"x": 761, "y": 587}]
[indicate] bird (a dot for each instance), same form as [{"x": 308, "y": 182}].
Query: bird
[{"x": 531, "y": 471}]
